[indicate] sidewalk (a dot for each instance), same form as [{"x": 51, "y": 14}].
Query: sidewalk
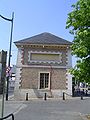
[
  {"x": 13, "y": 107},
  {"x": 10, "y": 106}
]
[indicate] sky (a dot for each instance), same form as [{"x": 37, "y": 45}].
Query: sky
[{"x": 32, "y": 17}]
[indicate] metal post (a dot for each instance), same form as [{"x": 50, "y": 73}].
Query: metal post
[
  {"x": 26, "y": 96},
  {"x": 86, "y": 92},
  {"x": 3, "y": 100},
  {"x": 9, "y": 59},
  {"x": 3, "y": 73},
  {"x": 7, "y": 88},
  {"x": 45, "y": 96},
  {"x": 81, "y": 96},
  {"x": 63, "y": 96}
]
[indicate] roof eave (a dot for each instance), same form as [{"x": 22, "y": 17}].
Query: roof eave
[{"x": 28, "y": 44}]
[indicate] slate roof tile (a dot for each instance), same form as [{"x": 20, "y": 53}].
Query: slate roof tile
[{"x": 44, "y": 38}]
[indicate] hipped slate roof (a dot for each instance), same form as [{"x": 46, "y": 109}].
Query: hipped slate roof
[{"x": 43, "y": 38}]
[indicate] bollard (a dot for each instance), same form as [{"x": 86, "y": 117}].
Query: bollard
[
  {"x": 63, "y": 96},
  {"x": 45, "y": 96},
  {"x": 83, "y": 92},
  {"x": 81, "y": 97},
  {"x": 26, "y": 96},
  {"x": 86, "y": 92}
]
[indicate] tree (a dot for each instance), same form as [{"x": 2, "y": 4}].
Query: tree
[{"x": 79, "y": 24}]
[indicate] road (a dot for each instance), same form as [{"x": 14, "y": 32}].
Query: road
[{"x": 54, "y": 110}]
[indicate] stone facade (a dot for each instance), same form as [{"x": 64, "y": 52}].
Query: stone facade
[
  {"x": 30, "y": 78},
  {"x": 42, "y": 68}
]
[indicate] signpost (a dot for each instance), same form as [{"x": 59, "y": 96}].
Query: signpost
[
  {"x": 0, "y": 87},
  {"x": 3, "y": 56}
]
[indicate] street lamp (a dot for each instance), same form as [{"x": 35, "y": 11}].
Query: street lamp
[{"x": 10, "y": 45}]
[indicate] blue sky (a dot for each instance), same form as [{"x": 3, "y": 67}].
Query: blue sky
[{"x": 33, "y": 17}]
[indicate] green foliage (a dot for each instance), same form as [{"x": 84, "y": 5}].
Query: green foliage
[
  {"x": 79, "y": 23},
  {"x": 82, "y": 70}
]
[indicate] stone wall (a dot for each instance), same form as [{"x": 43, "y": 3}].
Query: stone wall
[{"x": 30, "y": 78}]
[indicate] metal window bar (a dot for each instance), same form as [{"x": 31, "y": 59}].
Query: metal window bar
[{"x": 44, "y": 80}]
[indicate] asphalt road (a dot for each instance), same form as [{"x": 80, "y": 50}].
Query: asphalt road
[{"x": 54, "y": 110}]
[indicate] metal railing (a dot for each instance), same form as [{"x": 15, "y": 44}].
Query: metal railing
[{"x": 10, "y": 115}]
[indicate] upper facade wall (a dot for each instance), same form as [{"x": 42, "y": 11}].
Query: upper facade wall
[{"x": 41, "y": 55}]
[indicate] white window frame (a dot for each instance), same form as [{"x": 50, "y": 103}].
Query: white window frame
[{"x": 48, "y": 81}]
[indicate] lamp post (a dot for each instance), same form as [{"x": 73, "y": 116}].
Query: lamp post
[{"x": 10, "y": 45}]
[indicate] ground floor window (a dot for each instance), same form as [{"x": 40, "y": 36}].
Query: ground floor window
[{"x": 44, "y": 80}]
